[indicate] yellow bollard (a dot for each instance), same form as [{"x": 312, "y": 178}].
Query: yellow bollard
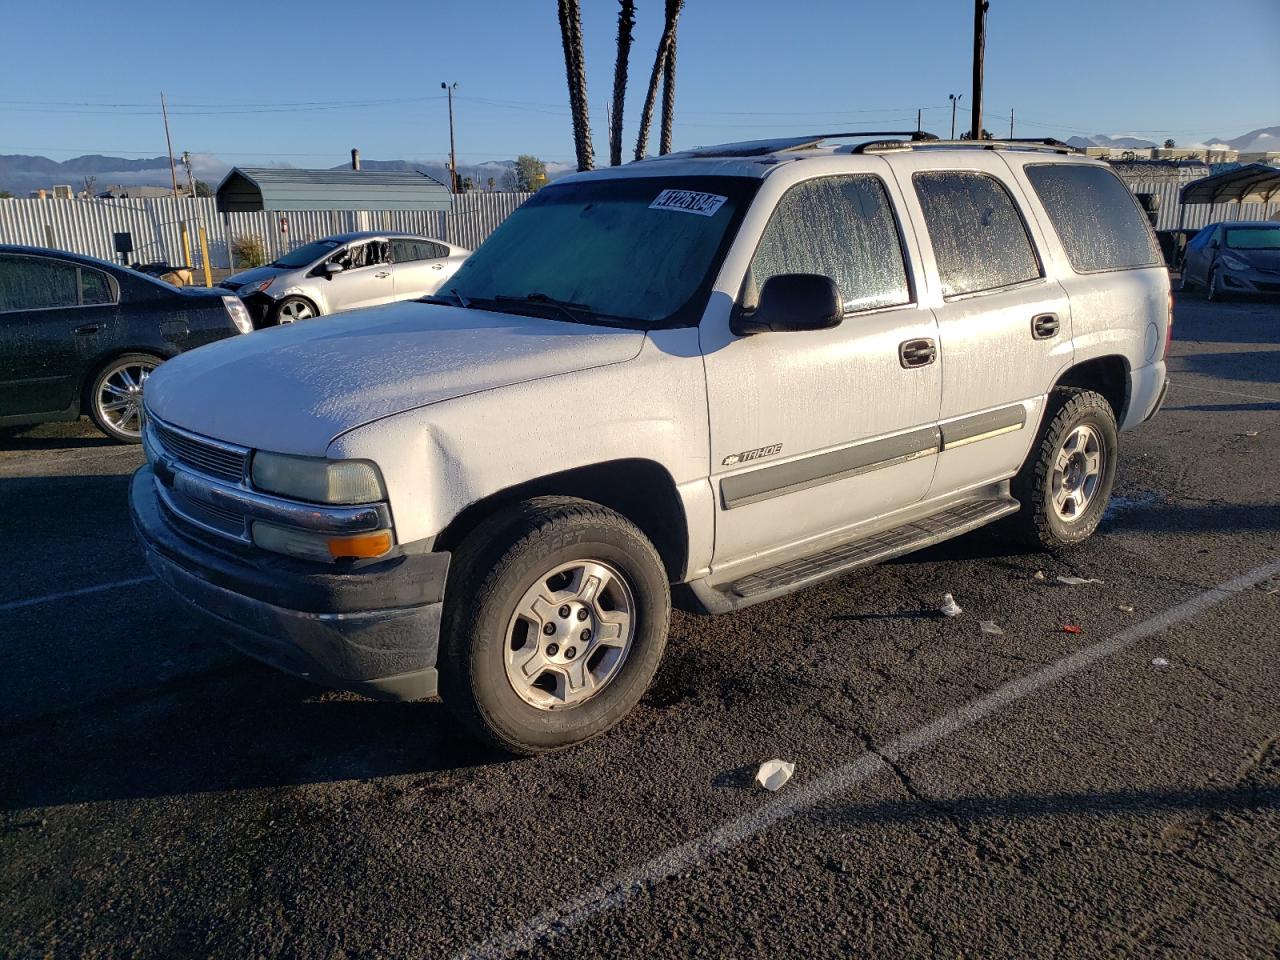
[
  {"x": 186, "y": 244},
  {"x": 204, "y": 255}
]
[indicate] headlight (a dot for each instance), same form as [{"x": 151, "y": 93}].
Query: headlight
[
  {"x": 239, "y": 315},
  {"x": 317, "y": 480},
  {"x": 1234, "y": 263},
  {"x": 256, "y": 287}
]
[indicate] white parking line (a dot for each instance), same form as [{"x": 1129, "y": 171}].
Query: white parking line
[
  {"x": 50, "y": 597},
  {"x": 1183, "y": 385},
  {"x": 620, "y": 888}
]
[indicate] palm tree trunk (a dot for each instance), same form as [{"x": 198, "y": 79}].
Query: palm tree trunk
[
  {"x": 626, "y": 23},
  {"x": 669, "y": 77},
  {"x": 646, "y": 115},
  {"x": 576, "y": 74}
]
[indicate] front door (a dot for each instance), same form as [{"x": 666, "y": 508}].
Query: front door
[
  {"x": 1004, "y": 327},
  {"x": 813, "y": 432},
  {"x": 365, "y": 280}
]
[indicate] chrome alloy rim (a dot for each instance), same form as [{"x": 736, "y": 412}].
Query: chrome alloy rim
[
  {"x": 296, "y": 310},
  {"x": 119, "y": 400},
  {"x": 570, "y": 634},
  {"x": 1077, "y": 472}
]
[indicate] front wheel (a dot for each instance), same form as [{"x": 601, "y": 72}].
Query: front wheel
[
  {"x": 556, "y": 617},
  {"x": 115, "y": 396},
  {"x": 293, "y": 309},
  {"x": 1066, "y": 482},
  {"x": 1213, "y": 289}
]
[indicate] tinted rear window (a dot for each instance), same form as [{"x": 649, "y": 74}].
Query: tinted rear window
[{"x": 1096, "y": 217}]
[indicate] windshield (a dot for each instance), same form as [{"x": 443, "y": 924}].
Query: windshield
[
  {"x": 306, "y": 254},
  {"x": 1253, "y": 238},
  {"x": 642, "y": 251}
]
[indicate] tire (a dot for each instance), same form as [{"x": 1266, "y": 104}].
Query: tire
[
  {"x": 1185, "y": 283},
  {"x": 114, "y": 396},
  {"x": 293, "y": 309},
  {"x": 1062, "y": 507},
  {"x": 519, "y": 698},
  {"x": 1212, "y": 291}
]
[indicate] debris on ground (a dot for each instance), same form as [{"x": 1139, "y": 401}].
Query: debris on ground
[
  {"x": 949, "y": 606},
  {"x": 1160, "y": 662},
  {"x": 990, "y": 628},
  {"x": 1039, "y": 575},
  {"x": 773, "y": 774},
  {"x": 1125, "y": 607},
  {"x": 1073, "y": 581},
  {"x": 1250, "y": 433},
  {"x": 1071, "y": 628}
]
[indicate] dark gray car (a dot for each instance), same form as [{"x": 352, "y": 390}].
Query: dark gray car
[{"x": 1234, "y": 257}]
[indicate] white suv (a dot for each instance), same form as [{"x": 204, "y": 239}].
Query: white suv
[{"x": 734, "y": 371}]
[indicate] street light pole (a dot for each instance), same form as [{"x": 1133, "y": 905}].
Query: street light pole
[
  {"x": 453, "y": 154},
  {"x": 979, "y": 54},
  {"x": 955, "y": 98}
]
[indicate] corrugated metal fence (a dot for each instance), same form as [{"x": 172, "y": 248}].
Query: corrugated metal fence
[
  {"x": 87, "y": 226},
  {"x": 1200, "y": 214}
]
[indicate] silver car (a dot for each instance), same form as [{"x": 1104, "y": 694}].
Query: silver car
[{"x": 345, "y": 272}]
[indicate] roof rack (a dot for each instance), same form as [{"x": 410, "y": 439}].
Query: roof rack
[
  {"x": 760, "y": 148},
  {"x": 1047, "y": 144}
]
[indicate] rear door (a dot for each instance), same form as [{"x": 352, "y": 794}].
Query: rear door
[
  {"x": 420, "y": 268},
  {"x": 53, "y": 316},
  {"x": 365, "y": 280},
  {"x": 1004, "y": 325}
]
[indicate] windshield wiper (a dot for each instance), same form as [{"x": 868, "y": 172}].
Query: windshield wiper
[
  {"x": 458, "y": 298},
  {"x": 574, "y": 312}
]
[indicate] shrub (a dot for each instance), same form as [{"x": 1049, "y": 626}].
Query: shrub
[{"x": 249, "y": 250}]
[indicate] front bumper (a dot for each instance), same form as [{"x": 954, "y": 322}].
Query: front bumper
[
  {"x": 1255, "y": 282},
  {"x": 374, "y": 629}
]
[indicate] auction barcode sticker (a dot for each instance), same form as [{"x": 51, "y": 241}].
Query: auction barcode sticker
[{"x": 689, "y": 201}]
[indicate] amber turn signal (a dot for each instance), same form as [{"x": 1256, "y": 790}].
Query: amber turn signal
[{"x": 362, "y": 545}]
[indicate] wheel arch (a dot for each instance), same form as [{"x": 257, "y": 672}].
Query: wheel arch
[
  {"x": 640, "y": 490},
  {"x": 1107, "y": 375}
]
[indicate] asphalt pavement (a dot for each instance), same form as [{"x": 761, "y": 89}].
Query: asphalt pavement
[{"x": 1108, "y": 792}]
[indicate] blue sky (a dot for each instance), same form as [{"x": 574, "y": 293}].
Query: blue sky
[{"x": 273, "y": 82}]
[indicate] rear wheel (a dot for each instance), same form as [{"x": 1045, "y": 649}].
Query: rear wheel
[
  {"x": 115, "y": 396},
  {"x": 293, "y": 309},
  {"x": 1066, "y": 482},
  {"x": 555, "y": 620}
]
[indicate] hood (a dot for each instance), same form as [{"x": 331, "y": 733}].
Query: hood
[
  {"x": 237, "y": 280},
  {"x": 292, "y": 389}
]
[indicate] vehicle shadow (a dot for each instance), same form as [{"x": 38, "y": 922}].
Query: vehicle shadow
[
  {"x": 237, "y": 727},
  {"x": 73, "y": 435},
  {"x": 1257, "y": 366}
]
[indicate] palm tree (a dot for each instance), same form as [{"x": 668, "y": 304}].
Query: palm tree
[
  {"x": 669, "y": 77},
  {"x": 576, "y": 73},
  {"x": 626, "y": 23},
  {"x": 666, "y": 47}
]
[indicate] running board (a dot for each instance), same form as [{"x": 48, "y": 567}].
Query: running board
[{"x": 907, "y": 538}]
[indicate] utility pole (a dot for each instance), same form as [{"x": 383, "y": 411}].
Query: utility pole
[
  {"x": 955, "y": 98},
  {"x": 1011, "y": 123},
  {"x": 919, "y": 121},
  {"x": 453, "y": 154},
  {"x": 979, "y": 51},
  {"x": 173, "y": 171},
  {"x": 191, "y": 181}
]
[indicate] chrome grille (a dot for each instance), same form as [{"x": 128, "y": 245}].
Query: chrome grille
[
  {"x": 202, "y": 514},
  {"x": 206, "y": 456}
]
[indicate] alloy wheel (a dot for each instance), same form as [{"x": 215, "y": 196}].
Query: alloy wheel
[
  {"x": 570, "y": 634},
  {"x": 1077, "y": 472},
  {"x": 119, "y": 397}
]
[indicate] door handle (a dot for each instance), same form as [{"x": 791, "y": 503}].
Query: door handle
[
  {"x": 917, "y": 353},
  {"x": 1044, "y": 326},
  {"x": 382, "y": 273},
  {"x": 437, "y": 266},
  {"x": 87, "y": 328}
]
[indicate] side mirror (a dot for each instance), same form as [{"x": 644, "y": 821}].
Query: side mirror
[
  {"x": 792, "y": 301},
  {"x": 331, "y": 270}
]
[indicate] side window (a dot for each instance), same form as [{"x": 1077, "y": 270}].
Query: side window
[
  {"x": 404, "y": 251},
  {"x": 1095, "y": 216},
  {"x": 361, "y": 255},
  {"x": 979, "y": 239},
  {"x": 843, "y": 228},
  {"x": 435, "y": 251},
  {"x": 95, "y": 287},
  {"x": 30, "y": 283}
]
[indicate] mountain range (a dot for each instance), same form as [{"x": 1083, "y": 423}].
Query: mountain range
[{"x": 22, "y": 173}]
